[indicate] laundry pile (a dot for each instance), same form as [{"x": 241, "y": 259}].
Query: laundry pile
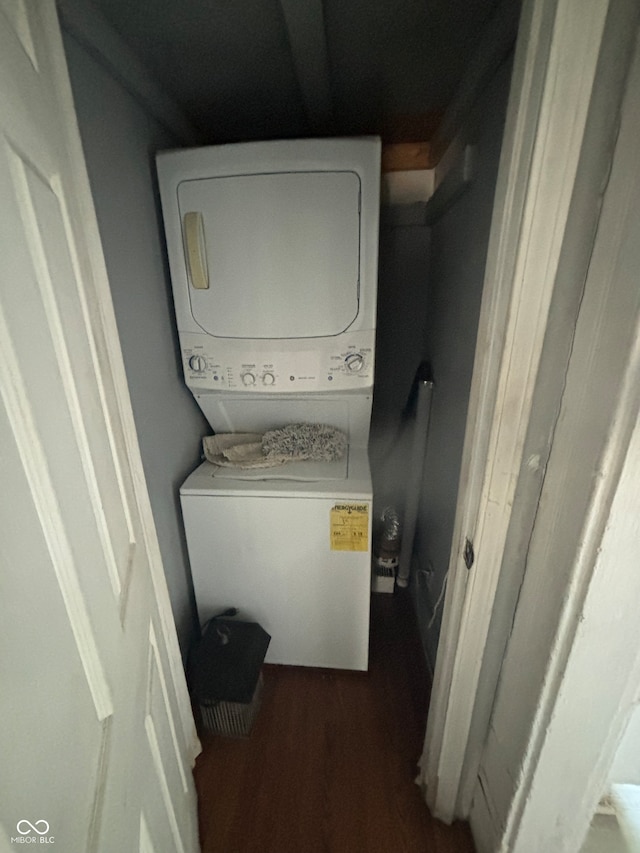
[{"x": 292, "y": 443}]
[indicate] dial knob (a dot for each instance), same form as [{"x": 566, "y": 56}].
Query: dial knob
[
  {"x": 248, "y": 379},
  {"x": 354, "y": 361},
  {"x": 197, "y": 362},
  {"x": 268, "y": 378}
]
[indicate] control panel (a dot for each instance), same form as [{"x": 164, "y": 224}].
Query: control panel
[{"x": 333, "y": 364}]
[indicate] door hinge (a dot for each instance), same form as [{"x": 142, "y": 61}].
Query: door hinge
[{"x": 468, "y": 553}]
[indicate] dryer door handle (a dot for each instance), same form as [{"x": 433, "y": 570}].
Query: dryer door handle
[{"x": 195, "y": 250}]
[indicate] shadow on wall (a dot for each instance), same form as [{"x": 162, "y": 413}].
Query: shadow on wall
[
  {"x": 401, "y": 330},
  {"x": 459, "y": 244}
]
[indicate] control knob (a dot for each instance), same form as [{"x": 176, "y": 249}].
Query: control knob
[
  {"x": 354, "y": 362},
  {"x": 198, "y": 363},
  {"x": 248, "y": 379},
  {"x": 268, "y": 378}
]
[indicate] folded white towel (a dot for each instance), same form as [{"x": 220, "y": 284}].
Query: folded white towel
[
  {"x": 237, "y": 450},
  {"x": 294, "y": 442}
]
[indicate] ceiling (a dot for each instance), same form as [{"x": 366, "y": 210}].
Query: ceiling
[{"x": 260, "y": 69}]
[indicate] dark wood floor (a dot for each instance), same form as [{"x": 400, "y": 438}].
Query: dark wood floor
[{"x": 331, "y": 761}]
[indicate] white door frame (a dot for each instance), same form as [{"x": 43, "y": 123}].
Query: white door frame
[
  {"x": 582, "y": 586},
  {"x": 601, "y": 675},
  {"x": 555, "y": 65}
]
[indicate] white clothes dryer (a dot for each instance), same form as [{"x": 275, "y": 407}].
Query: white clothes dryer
[
  {"x": 273, "y": 256},
  {"x": 273, "y": 250}
]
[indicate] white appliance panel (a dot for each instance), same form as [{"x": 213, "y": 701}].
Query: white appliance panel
[
  {"x": 304, "y": 471},
  {"x": 271, "y": 558},
  {"x": 282, "y": 253},
  {"x": 342, "y": 363},
  {"x": 356, "y": 485},
  {"x": 234, "y": 413}
]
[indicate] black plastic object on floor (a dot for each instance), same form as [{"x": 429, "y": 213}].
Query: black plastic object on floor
[{"x": 224, "y": 674}]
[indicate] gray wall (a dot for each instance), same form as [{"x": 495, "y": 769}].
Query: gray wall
[
  {"x": 459, "y": 242},
  {"x": 401, "y": 330},
  {"x": 120, "y": 139}
]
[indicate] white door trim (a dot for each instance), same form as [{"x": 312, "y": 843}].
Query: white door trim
[
  {"x": 601, "y": 674},
  {"x": 555, "y": 65},
  {"x": 575, "y": 638},
  {"x": 589, "y": 696}
]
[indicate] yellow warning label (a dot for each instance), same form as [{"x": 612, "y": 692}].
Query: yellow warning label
[{"x": 349, "y": 527}]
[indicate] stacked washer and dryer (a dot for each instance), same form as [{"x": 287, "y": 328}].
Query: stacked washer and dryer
[{"x": 273, "y": 251}]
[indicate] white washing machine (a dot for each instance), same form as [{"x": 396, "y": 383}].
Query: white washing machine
[
  {"x": 293, "y": 555},
  {"x": 273, "y": 255}
]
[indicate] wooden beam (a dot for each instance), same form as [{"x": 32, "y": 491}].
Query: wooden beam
[{"x": 406, "y": 156}]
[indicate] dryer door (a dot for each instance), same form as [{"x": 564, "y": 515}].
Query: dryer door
[{"x": 273, "y": 255}]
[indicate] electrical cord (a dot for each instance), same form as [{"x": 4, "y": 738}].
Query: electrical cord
[
  {"x": 439, "y": 601},
  {"x": 228, "y": 613}
]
